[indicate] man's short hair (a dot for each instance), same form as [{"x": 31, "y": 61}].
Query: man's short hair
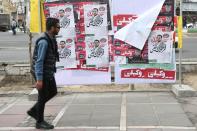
[
  {"x": 63, "y": 42},
  {"x": 95, "y": 9},
  {"x": 51, "y": 22},
  {"x": 96, "y": 41},
  {"x": 61, "y": 10},
  {"x": 160, "y": 36}
]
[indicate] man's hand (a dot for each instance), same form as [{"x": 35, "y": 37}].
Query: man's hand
[{"x": 39, "y": 84}]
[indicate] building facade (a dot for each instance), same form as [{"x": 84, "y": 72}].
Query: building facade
[{"x": 7, "y": 7}]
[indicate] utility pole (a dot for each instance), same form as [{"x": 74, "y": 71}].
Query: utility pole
[{"x": 180, "y": 50}]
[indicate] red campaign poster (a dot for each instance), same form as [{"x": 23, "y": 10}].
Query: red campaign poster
[
  {"x": 122, "y": 20},
  {"x": 164, "y": 20},
  {"x": 148, "y": 73},
  {"x": 132, "y": 54}
]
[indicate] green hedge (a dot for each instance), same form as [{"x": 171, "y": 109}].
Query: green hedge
[{"x": 193, "y": 30}]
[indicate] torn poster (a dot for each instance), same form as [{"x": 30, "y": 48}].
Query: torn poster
[{"x": 137, "y": 31}]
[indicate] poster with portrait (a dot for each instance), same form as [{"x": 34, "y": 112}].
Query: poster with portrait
[
  {"x": 146, "y": 73},
  {"x": 67, "y": 55},
  {"x": 160, "y": 45},
  {"x": 66, "y": 16},
  {"x": 95, "y": 19},
  {"x": 97, "y": 52}
]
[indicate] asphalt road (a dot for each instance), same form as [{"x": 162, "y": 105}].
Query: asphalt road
[{"x": 15, "y": 48}]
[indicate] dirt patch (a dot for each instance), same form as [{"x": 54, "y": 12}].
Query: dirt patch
[
  {"x": 16, "y": 83},
  {"x": 190, "y": 79}
]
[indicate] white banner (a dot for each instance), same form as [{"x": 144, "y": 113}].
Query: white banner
[
  {"x": 138, "y": 30},
  {"x": 77, "y": 77},
  {"x": 67, "y": 55},
  {"x": 97, "y": 52},
  {"x": 160, "y": 45}
]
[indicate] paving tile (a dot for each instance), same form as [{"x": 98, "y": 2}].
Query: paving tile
[
  {"x": 141, "y": 109},
  {"x": 17, "y": 110},
  {"x": 1, "y": 106},
  {"x": 144, "y": 129},
  {"x": 107, "y": 108},
  {"x": 52, "y": 109},
  {"x": 105, "y": 120},
  {"x": 11, "y": 120},
  {"x": 109, "y": 100},
  {"x": 83, "y": 99},
  {"x": 174, "y": 120},
  {"x": 74, "y": 120},
  {"x": 138, "y": 98},
  {"x": 178, "y": 129},
  {"x": 60, "y": 100},
  {"x": 25, "y": 101},
  {"x": 163, "y": 99},
  {"x": 169, "y": 94},
  {"x": 168, "y": 108},
  {"x": 142, "y": 120},
  {"x": 80, "y": 109}
]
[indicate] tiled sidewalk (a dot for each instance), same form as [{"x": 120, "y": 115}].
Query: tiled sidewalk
[{"x": 135, "y": 111}]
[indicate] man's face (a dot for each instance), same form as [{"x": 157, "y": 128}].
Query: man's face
[
  {"x": 61, "y": 13},
  {"x": 62, "y": 44},
  {"x": 95, "y": 12},
  {"x": 159, "y": 38},
  {"x": 56, "y": 29},
  {"x": 96, "y": 43}
]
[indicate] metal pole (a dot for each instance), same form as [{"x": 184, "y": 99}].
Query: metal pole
[{"x": 180, "y": 53}]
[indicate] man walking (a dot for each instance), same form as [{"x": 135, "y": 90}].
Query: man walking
[
  {"x": 14, "y": 24},
  {"x": 43, "y": 68}
]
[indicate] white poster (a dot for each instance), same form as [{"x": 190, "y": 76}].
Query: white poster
[
  {"x": 95, "y": 19},
  {"x": 80, "y": 77},
  {"x": 67, "y": 55},
  {"x": 97, "y": 52},
  {"x": 160, "y": 45},
  {"x": 66, "y": 16},
  {"x": 137, "y": 31}
]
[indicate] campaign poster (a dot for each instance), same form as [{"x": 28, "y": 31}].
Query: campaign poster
[
  {"x": 95, "y": 19},
  {"x": 97, "y": 52},
  {"x": 160, "y": 47},
  {"x": 67, "y": 55},
  {"x": 66, "y": 16}
]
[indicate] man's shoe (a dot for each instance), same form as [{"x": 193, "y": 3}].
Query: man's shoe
[
  {"x": 32, "y": 114},
  {"x": 44, "y": 125}
]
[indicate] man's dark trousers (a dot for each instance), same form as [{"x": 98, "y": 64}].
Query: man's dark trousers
[{"x": 48, "y": 91}]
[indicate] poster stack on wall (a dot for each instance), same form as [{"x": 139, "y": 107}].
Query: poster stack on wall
[
  {"x": 95, "y": 33},
  {"x": 155, "y": 62},
  {"x": 82, "y": 41}
]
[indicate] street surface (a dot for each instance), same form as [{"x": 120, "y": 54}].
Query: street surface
[
  {"x": 15, "y": 48},
  {"x": 135, "y": 111}
]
